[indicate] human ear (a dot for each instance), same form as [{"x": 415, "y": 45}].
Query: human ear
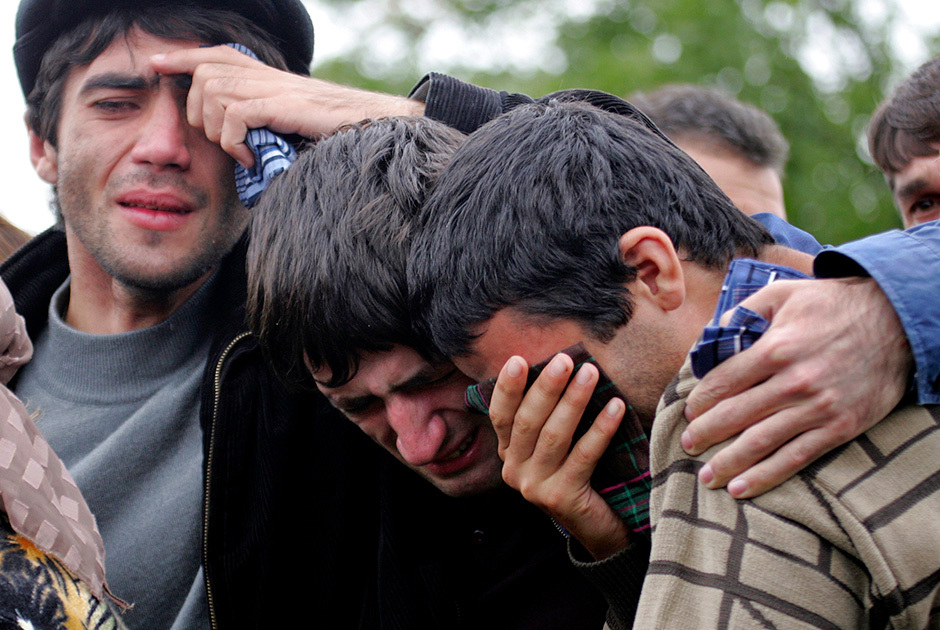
[
  {"x": 660, "y": 277},
  {"x": 44, "y": 158}
]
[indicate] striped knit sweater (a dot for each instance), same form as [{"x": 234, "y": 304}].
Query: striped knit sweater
[{"x": 851, "y": 542}]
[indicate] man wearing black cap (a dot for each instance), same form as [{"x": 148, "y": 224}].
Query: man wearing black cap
[
  {"x": 201, "y": 468},
  {"x": 224, "y": 499}
]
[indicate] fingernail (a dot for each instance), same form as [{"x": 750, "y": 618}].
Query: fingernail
[
  {"x": 514, "y": 368},
  {"x": 557, "y": 366},
  {"x": 584, "y": 375},
  {"x": 688, "y": 414},
  {"x": 737, "y": 487},
  {"x": 687, "y": 443},
  {"x": 705, "y": 475},
  {"x": 614, "y": 407},
  {"x": 158, "y": 57}
]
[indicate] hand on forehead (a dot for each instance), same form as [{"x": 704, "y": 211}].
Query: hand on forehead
[{"x": 510, "y": 333}]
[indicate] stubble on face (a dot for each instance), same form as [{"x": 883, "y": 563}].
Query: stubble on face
[
  {"x": 463, "y": 458},
  {"x": 124, "y": 142},
  {"x": 119, "y": 259}
]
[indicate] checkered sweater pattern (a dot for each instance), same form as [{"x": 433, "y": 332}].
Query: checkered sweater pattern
[{"x": 851, "y": 542}]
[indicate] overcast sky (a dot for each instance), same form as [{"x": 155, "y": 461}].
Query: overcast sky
[{"x": 25, "y": 197}]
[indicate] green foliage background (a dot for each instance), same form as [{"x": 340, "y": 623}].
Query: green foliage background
[{"x": 750, "y": 48}]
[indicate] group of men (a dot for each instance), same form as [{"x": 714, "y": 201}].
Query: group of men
[{"x": 187, "y": 370}]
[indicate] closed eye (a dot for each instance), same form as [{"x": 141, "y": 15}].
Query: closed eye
[
  {"x": 115, "y": 106},
  {"x": 425, "y": 381},
  {"x": 357, "y": 407}
]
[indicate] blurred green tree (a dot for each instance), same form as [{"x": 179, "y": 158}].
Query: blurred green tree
[{"x": 757, "y": 50}]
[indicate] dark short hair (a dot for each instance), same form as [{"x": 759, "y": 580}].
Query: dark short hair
[
  {"x": 716, "y": 119},
  {"x": 529, "y": 214},
  {"x": 905, "y": 124},
  {"x": 82, "y": 44},
  {"x": 329, "y": 245}
]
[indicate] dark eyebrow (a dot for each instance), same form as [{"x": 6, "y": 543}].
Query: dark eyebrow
[
  {"x": 423, "y": 377},
  {"x": 182, "y": 81},
  {"x": 118, "y": 81},
  {"x": 911, "y": 188},
  {"x": 347, "y": 405}
]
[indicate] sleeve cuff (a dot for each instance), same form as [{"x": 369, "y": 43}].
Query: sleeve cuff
[
  {"x": 463, "y": 106},
  {"x": 619, "y": 578}
]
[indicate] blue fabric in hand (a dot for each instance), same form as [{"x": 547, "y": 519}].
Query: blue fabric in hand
[{"x": 273, "y": 155}]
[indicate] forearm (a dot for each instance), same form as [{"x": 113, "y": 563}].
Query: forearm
[
  {"x": 619, "y": 578},
  {"x": 460, "y": 105},
  {"x": 467, "y": 107}
]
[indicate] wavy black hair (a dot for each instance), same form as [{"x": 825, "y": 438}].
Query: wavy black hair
[{"x": 329, "y": 246}]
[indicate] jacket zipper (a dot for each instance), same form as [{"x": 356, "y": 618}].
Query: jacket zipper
[{"x": 217, "y": 395}]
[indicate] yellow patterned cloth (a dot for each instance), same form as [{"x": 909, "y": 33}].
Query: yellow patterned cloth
[
  {"x": 37, "y": 591},
  {"x": 37, "y": 493}
]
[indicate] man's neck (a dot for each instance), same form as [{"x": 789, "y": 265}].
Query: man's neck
[
  {"x": 101, "y": 304},
  {"x": 703, "y": 286},
  {"x": 780, "y": 255},
  {"x": 114, "y": 308}
]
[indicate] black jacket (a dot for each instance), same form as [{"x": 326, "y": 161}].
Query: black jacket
[
  {"x": 491, "y": 561},
  {"x": 300, "y": 528},
  {"x": 294, "y": 497},
  {"x": 287, "y": 537}
]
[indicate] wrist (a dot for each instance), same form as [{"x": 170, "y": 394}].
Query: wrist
[{"x": 613, "y": 541}]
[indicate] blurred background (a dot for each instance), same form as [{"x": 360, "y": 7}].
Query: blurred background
[{"x": 819, "y": 67}]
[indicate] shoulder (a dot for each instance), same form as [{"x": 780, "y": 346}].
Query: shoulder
[
  {"x": 884, "y": 488},
  {"x": 852, "y": 534}
]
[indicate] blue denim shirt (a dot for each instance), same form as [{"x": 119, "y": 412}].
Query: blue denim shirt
[{"x": 906, "y": 265}]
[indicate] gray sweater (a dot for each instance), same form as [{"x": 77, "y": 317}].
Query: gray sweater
[{"x": 122, "y": 413}]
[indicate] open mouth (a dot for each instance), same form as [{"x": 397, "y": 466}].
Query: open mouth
[
  {"x": 162, "y": 213},
  {"x": 460, "y": 450},
  {"x": 140, "y": 206}
]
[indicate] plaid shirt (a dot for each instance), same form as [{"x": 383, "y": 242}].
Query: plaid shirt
[
  {"x": 850, "y": 542},
  {"x": 745, "y": 277}
]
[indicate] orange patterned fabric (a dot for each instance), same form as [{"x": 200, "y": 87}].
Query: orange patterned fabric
[
  {"x": 37, "y": 591},
  {"x": 40, "y": 498}
]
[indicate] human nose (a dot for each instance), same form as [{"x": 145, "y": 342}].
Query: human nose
[
  {"x": 163, "y": 139},
  {"x": 420, "y": 431}
]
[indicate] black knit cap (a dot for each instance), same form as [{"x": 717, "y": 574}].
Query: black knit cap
[{"x": 40, "y": 22}]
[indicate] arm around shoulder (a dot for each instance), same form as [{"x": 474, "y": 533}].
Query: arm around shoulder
[{"x": 906, "y": 266}]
